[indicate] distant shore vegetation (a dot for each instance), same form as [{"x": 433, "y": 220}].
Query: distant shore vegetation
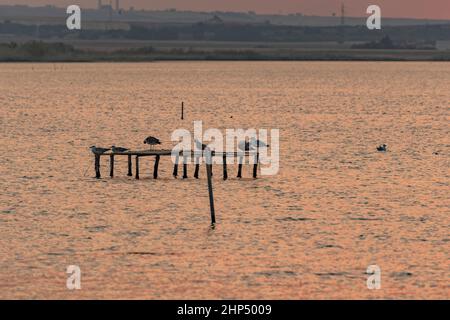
[{"x": 40, "y": 51}]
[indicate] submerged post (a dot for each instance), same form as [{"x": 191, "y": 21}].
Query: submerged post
[
  {"x": 182, "y": 110},
  {"x": 137, "y": 167},
  {"x": 130, "y": 173},
  {"x": 210, "y": 189},
  {"x": 111, "y": 165},
  {"x": 175, "y": 166},
  {"x": 97, "y": 166},
  {"x": 225, "y": 173},
  {"x": 155, "y": 168}
]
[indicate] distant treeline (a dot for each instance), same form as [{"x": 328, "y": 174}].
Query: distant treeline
[
  {"x": 235, "y": 32},
  {"x": 38, "y": 51},
  {"x": 387, "y": 43}
]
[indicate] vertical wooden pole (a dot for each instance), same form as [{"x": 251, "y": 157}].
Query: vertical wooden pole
[
  {"x": 210, "y": 189},
  {"x": 111, "y": 165},
  {"x": 155, "y": 168},
  {"x": 130, "y": 173},
  {"x": 97, "y": 166},
  {"x": 197, "y": 166},
  {"x": 255, "y": 166},
  {"x": 137, "y": 167},
  {"x": 225, "y": 172},
  {"x": 182, "y": 110},
  {"x": 175, "y": 166},
  {"x": 239, "y": 175},
  {"x": 184, "y": 167}
]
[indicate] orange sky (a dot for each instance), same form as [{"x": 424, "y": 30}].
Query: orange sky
[{"x": 430, "y": 9}]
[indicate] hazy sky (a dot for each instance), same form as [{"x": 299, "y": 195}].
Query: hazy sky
[{"x": 430, "y": 9}]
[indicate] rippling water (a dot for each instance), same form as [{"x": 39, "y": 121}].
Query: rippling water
[{"x": 336, "y": 206}]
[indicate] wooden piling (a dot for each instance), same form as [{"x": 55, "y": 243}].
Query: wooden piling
[
  {"x": 97, "y": 166},
  {"x": 111, "y": 165},
  {"x": 185, "y": 176},
  {"x": 197, "y": 167},
  {"x": 210, "y": 189},
  {"x": 255, "y": 166},
  {"x": 225, "y": 172},
  {"x": 175, "y": 166},
  {"x": 137, "y": 167},
  {"x": 130, "y": 173},
  {"x": 239, "y": 175},
  {"x": 155, "y": 168}
]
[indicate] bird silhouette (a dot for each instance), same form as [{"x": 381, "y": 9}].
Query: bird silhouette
[
  {"x": 98, "y": 150},
  {"x": 118, "y": 149},
  {"x": 382, "y": 148},
  {"x": 152, "y": 141}
]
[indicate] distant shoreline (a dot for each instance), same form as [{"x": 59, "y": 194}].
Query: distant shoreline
[
  {"x": 36, "y": 51},
  {"x": 212, "y": 59}
]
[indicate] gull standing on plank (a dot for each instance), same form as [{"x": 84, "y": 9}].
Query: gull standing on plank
[
  {"x": 98, "y": 150},
  {"x": 152, "y": 141},
  {"x": 245, "y": 146},
  {"x": 199, "y": 145},
  {"x": 258, "y": 143},
  {"x": 118, "y": 149}
]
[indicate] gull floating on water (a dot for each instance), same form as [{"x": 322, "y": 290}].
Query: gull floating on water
[
  {"x": 118, "y": 149},
  {"x": 152, "y": 141},
  {"x": 98, "y": 150},
  {"x": 382, "y": 148}
]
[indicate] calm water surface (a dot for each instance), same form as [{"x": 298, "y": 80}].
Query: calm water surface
[{"x": 336, "y": 206}]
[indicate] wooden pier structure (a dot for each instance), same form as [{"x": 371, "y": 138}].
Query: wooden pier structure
[{"x": 196, "y": 155}]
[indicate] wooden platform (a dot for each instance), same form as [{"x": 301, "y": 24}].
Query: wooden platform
[{"x": 167, "y": 153}]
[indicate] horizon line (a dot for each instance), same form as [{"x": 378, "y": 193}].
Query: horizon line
[{"x": 228, "y": 11}]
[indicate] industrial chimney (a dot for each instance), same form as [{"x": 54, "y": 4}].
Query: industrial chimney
[{"x": 117, "y": 5}]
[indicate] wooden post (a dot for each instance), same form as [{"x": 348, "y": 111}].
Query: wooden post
[
  {"x": 210, "y": 189},
  {"x": 97, "y": 166},
  {"x": 155, "y": 168},
  {"x": 197, "y": 166},
  {"x": 175, "y": 166},
  {"x": 255, "y": 166},
  {"x": 111, "y": 165},
  {"x": 239, "y": 175},
  {"x": 225, "y": 173},
  {"x": 130, "y": 173},
  {"x": 185, "y": 167},
  {"x": 137, "y": 167},
  {"x": 182, "y": 110}
]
